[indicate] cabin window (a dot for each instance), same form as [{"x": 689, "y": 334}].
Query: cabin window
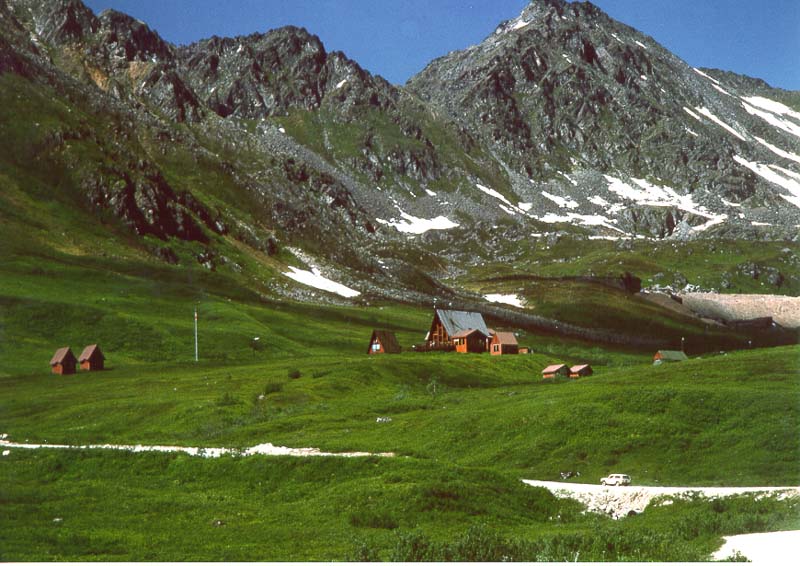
[
  {"x": 376, "y": 347},
  {"x": 497, "y": 347}
]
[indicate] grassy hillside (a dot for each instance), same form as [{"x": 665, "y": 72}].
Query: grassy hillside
[
  {"x": 707, "y": 421},
  {"x": 116, "y": 506}
]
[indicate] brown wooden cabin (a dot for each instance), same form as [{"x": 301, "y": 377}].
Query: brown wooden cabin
[
  {"x": 581, "y": 370},
  {"x": 469, "y": 341},
  {"x": 92, "y": 359},
  {"x": 383, "y": 342},
  {"x": 555, "y": 370},
  {"x": 63, "y": 361},
  {"x": 447, "y": 323},
  {"x": 503, "y": 343}
]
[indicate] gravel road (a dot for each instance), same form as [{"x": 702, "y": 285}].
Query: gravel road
[{"x": 621, "y": 501}]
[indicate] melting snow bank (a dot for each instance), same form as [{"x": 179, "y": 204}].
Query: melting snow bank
[
  {"x": 620, "y": 501},
  {"x": 512, "y": 300},
  {"x": 315, "y": 279},
  {"x": 262, "y": 449},
  {"x": 764, "y": 548}
]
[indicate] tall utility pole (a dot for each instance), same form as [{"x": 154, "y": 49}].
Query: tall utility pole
[{"x": 195, "y": 335}]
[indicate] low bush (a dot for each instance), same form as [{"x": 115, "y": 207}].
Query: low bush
[
  {"x": 294, "y": 373},
  {"x": 227, "y": 400},
  {"x": 373, "y": 519}
]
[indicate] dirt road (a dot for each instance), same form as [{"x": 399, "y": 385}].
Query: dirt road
[{"x": 266, "y": 449}]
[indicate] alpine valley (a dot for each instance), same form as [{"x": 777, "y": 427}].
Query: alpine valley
[{"x": 568, "y": 178}]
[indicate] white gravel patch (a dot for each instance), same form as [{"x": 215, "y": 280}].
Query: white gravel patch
[
  {"x": 783, "y": 309},
  {"x": 620, "y": 501},
  {"x": 266, "y": 449}
]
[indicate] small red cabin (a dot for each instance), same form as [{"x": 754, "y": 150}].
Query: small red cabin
[
  {"x": 92, "y": 359},
  {"x": 383, "y": 342},
  {"x": 503, "y": 343},
  {"x": 580, "y": 370},
  {"x": 63, "y": 361},
  {"x": 555, "y": 370}
]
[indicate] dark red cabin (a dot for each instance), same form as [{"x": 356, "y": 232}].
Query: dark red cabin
[
  {"x": 63, "y": 361},
  {"x": 92, "y": 359},
  {"x": 383, "y": 342}
]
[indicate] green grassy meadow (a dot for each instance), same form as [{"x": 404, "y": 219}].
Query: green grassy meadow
[{"x": 465, "y": 429}]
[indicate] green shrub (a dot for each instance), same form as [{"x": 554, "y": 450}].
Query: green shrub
[
  {"x": 372, "y": 519},
  {"x": 273, "y": 387},
  {"x": 227, "y": 400},
  {"x": 363, "y": 551},
  {"x": 294, "y": 373}
]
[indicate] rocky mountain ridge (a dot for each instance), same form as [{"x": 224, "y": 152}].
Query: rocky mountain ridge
[{"x": 563, "y": 122}]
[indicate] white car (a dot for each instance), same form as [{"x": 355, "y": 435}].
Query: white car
[{"x": 616, "y": 479}]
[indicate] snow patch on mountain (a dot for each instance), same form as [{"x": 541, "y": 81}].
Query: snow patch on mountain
[
  {"x": 568, "y": 178},
  {"x": 729, "y": 203},
  {"x": 772, "y": 106},
  {"x": 707, "y": 113},
  {"x": 702, "y": 74},
  {"x": 692, "y": 114},
  {"x": 560, "y": 201},
  {"x": 512, "y": 300},
  {"x": 584, "y": 219},
  {"x": 315, "y": 279},
  {"x": 414, "y": 225},
  {"x": 722, "y": 90},
  {"x": 770, "y": 174},
  {"x": 778, "y": 151},
  {"x": 509, "y": 208},
  {"x": 771, "y": 118},
  {"x": 786, "y": 172},
  {"x": 648, "y": 194}
]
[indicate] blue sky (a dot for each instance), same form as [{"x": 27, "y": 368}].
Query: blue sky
[{"x": 397, "y": 38}]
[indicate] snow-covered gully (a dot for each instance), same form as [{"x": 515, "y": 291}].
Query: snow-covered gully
[{"x": 266, "y": 449}]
